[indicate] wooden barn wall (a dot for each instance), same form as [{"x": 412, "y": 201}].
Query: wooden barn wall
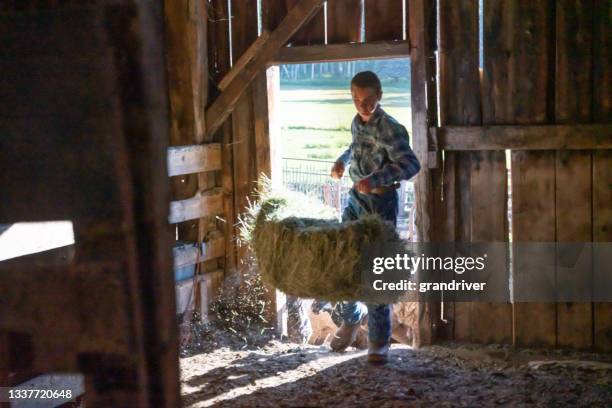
[
  {"x": 347, "y": 21},
  {"x": 545, "y": 62}
]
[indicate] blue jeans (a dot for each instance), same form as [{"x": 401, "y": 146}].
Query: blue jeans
[{"x": 379, "y": 320}]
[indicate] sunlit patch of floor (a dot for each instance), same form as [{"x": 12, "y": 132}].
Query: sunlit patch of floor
[
  {"x": 288, "y": 375},
  {"x": 250, "y": 371}
]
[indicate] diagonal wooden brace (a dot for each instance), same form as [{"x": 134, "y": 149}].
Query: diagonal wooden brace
[{"x": 225, "y": 103}]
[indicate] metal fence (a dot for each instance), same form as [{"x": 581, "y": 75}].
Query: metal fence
[{"x": 312, "y": 177}]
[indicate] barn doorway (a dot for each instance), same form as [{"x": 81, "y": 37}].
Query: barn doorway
[{"x": 311, "y": 111}]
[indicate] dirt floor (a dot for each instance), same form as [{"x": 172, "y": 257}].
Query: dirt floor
[{"x": 280, "y": 374}]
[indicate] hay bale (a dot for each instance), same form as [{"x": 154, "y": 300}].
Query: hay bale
[{"x": 320, "y": 257}]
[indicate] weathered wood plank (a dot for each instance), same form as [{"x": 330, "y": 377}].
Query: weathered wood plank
[
  {"x": 573, "y": 72},
  {"x": 226, "y": 102},
  {"x": 602, "y": 60},
  {"x": 244, "y": 59},
  {"x": 185, "y": 32},
  {"x": 342, "y": 52},
  {"x": 573, "y": 169},
  {"x": 244, "y": 27},
  {"x": 243, "y": 128},
  {"x": 211, "y": 284},
  {"x": 524, "y": 137},
  {"x": 180, "y": 85},
  {"x": 384, "y": 20},
  {"x": 207, "y": 288},
  {"x": 528, "y": 89},
  {"x": 602, "y": 160},
  {"x": 218, "y": 40},
  {"x": 263, "y": 155},
  {"x": 344, "y": 21},
  {"x": 460, "y": 105},
  {"x": 573, "y": 224},
  {"x": 219, "y": 66},
  {"x": 423, "y": 114},
  {"x": 138, "y": 33},
  {"x": 533, "y": 219},
  {"x": 201, "y": 205},
  {"x": 188, "y": 253},
  {"x": 602, "y": 232},
  {"x": 194, "y": 159},
  {"x": 492, "y": 322},
  {"x": 245, "y": 162},
  {"x": 312, "y": 33}
]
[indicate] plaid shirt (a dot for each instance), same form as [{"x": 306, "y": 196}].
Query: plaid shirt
[{"x": 380, "y": 150}]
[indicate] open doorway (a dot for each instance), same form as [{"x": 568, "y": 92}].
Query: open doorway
[{"x": 311, "y": 112}]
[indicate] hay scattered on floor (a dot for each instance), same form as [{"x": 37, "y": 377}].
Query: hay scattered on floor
[
  {"x": 302, "y": 249},
  {"x": 240, "y": 316}
]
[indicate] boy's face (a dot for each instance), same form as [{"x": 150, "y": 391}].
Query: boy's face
[{"x": 365, "y": 100}]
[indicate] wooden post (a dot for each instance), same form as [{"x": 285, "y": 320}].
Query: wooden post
[
  {"x": 422, "y": 25},
  {"x": 244, "y": 33},
  {"x": 219, "y": 66}
]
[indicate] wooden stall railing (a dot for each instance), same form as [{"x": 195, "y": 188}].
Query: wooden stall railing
[{"x": 184, "y": 160}]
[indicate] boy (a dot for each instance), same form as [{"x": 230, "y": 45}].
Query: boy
[{"x": 379, "y": 156}]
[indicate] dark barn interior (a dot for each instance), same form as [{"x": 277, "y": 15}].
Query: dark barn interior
[{"x": 147, "y": 124}]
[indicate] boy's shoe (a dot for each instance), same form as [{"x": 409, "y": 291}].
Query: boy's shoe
[
  {"x": 378, "y": 352},
  {"x": 344, "y": 336}
]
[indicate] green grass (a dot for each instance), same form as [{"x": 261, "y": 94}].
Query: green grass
[{"x": 315, "y": 123}]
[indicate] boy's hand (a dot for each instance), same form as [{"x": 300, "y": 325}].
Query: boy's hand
[
  {"x": 364, "y": 186},
  {"x": 337, "y": 170}
]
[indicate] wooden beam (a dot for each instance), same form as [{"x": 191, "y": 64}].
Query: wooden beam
[
  {"x": 194, "y": 159},
  {"x": 225, "y": 103},
  {"x": 188, "y": 253},
  {"x": 422, "y": 26},
  {"x": 244, "y": 59},
  {"x": 342, "y": 52},
  {"x": 530, "y": 137},
  {"x": 201, "y": 205}
]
